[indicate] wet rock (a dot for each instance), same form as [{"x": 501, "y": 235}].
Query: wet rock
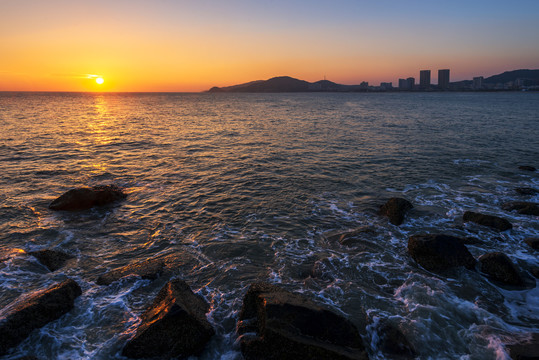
[
  {"x": 394, "y": 343},
  {"x": 86, "y": 198},
  {"x": 175, "y": 325},
  {"x": 395, "y": 209},
  {"x": 491, "y": 221},
  {"x": 361, "y": 238},
  {"x": 533, "y": 242},
  {"x": 52, "y": 259},
  {"x": 278, "y": 324},
  {"x": 34, "y": 311},
  {"x": 527, "y": 168},
  {"x": 526, "y": 349},
  {"x": 500, "y": 268},
  {"x": 148, "y": 269},
  {"x": 522, "y": 207},
  {"x": 526, "y": 191},
  {"x": 470, "y": 240},
  {"x": 535, "y": 271},
  {"x": 439, "y": 252}
]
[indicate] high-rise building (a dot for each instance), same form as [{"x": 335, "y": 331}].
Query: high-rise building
[
  {"x": 478, "y": 82},
  {"x": 402, "y": 84},
  {"x": 424, "y": 79},
  {"x": 443, "y": 79},
  {"x": 406, "y": 84}
]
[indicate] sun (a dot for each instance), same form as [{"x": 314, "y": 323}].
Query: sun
[{"x": 99, "y": 80}]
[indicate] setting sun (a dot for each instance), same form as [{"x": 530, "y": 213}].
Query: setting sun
[{"x": 99, "y": 80}]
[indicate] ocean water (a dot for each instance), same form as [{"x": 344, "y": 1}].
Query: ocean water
[{"x": 238, "y": 188}]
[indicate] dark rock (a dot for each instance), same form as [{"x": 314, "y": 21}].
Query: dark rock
[
  {"x": 491, "y": 221},
  {"x": 394, "y": 343},
  {"x": 34, "y": 311},
  {"x": 535, "y": 271},
  {"x": 527, "y": 168},
  {"x": 28, "y": 357},
  {"x": 395, "y": 209},
  {"x": 533, "y": 242},
  {"x": 52, "y": 259},
  {"x": 527, "y": 349},
  {"x": 522, "y": 207},
  {"x": 86, "y": 198},
  {"x": 439, "y": 252},
  {"x": 500, "y": 268},
  {"x": 357, "y": 238},
  {"x": 175, "y": 325},
  {"x": 278, "y": 324},
  {"x": 148, "y": 269},
  {"x": 470, "y": 240},
  {"x": 526, "y": 191}
]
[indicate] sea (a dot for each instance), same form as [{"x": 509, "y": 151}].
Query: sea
[{"x": 239, "y": 188}]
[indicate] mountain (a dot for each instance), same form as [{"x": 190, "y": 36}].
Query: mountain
[
  {"x": 512, "y": 76},
  {"x": 276, "y": 84}
]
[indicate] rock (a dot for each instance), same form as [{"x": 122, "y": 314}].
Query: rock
[
  {"x": 439, "y": 252},
  {"x": 175, "y": 325},
  {"x": 52, "y": 259},
  {"x": 491, "y": 221},
  {"x": 522, "y": 207},
  {"x": 393, "y": 342},
  {"x": 395, "y": 209},
  {"x": 34, "y": 311},
  {"x": 86, "y": 198},
  {"x": 527, "y": 349},
  {"x": 526, "y": 191},
  {"x": 278, "y": 324},
  {"x": 527, "y": 168},
  {"x": 500, "y": 268},
  {"x": 533, "y": 242},
  {"x": 148, "y": 269},
  {"x": 357, "y": 238},
  {"x": 535, "y": 271}
]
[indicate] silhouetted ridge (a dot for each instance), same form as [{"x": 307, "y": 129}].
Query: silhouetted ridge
[{"x": 513, "y": 75}]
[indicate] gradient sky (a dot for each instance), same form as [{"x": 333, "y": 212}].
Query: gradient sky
[{"x": 166, "y": 45}]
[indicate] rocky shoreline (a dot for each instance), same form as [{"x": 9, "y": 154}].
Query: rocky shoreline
[{"x": 273, "y": 323}]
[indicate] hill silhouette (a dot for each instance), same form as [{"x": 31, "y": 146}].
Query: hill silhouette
[{"x": 513, "y": 75}]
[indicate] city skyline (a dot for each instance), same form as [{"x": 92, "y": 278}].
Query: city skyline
[{"x": 64, "y": 45}]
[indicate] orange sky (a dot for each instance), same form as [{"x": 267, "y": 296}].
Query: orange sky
[{"x": 191, "y": 46}]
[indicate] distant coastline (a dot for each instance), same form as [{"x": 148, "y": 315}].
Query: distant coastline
[{"x": 515, "y": 80}]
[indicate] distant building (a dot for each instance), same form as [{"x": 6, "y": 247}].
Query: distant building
[
  {"x": 443, "y": 79},
  {"x": 364, "y": 84},
  {"x": 478, "y": 82},
  {"x": 424, "y": 79},
  {"x": 402, "y": 84},
  {"x": 406, "y": 84},
  {"x": 386, "y": 85}
]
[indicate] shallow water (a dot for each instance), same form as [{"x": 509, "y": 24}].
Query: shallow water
[{"x": 237, "y": 188}]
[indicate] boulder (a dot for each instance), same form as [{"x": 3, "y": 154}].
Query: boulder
[
  {"x": 395, "y": 209},
  {"x": 522, "y": 207},
  {"x": 533, "y": 242},
  {"x": 526, "y": 191},
  {"x": 437, "y": 252},
  {"x": 52, "y": 259},
  {"x": 535, "y": 271},
  {"x": 175, "y": 325},
  {"x": 500, "y": 268},
  {"x": 34, "y": 311},
  {"x": 394, "y": 343},
  {"x": 277, "y": 324},
  {"x": 148, "y": 269},
  {"x": 86, "y": 198},
  {"x": 526, "y": 349},
  {"x": 491, "y": 221},
  {"x": 527, "y": 168}
]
